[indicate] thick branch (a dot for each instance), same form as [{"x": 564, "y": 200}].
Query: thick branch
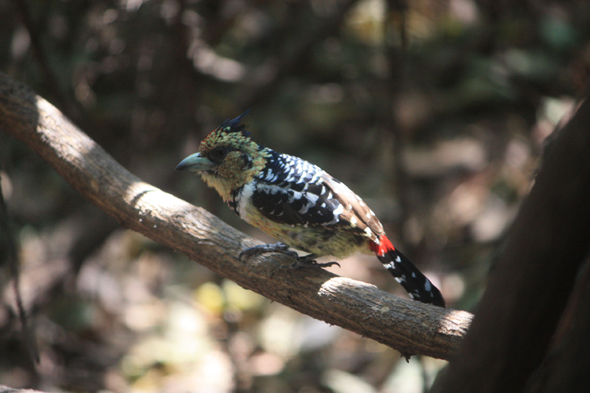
[{"x": 408, "y": 326}]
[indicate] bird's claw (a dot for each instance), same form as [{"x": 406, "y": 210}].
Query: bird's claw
[
  {"x": 256, "y": 251},
  {"x": 305, "y": 261}
]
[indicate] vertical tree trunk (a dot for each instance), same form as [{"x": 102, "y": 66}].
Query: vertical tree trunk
[
  {"x": 532, "y": 280},
  {"x": 566, "y": 366}
]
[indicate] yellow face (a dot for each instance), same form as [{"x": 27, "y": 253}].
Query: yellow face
[{"x": 227, "y": 159}]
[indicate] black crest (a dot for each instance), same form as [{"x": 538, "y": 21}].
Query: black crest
[{"x": 234, "y": 125}]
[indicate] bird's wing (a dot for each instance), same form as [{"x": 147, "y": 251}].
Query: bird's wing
[
  {"x": 355, "y": 212},
  {"x": 322, "y": 202}
]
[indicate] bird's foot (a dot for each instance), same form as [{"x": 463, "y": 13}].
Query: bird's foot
[
  {"x": 308, "y": 261},
  {"x": 256, "y": 251},
  {"x": 305, "y": 261}
]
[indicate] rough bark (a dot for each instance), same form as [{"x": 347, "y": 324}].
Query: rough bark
[
  {"x": 408, "y": 326},
  {"x": 530, "y": 284},
  {"x": 566, "y": 366}
]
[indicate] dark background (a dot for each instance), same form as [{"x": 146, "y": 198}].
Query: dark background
[{"x": 434, "y": 112}]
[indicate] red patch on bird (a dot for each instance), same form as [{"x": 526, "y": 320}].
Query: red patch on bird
[{"x": 383, "y": 246}]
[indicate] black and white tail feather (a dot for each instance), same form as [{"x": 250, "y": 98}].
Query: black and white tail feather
[{"x": 414, "y": 282}]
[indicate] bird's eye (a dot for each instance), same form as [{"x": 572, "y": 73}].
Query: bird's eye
[{"x": 218, "y": 153}]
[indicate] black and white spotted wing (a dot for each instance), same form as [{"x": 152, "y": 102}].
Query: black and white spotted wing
[
  {"x": 295, "y": 192},
  {"x": 291, "y": 191}
]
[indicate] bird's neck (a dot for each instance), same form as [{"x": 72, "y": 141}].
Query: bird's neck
[{"x": 223, "y": 186}]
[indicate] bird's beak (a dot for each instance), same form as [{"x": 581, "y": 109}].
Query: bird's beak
[{"x": 195, "y": 162}]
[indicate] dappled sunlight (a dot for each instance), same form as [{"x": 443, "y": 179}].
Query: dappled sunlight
[
  {"x": 335, "y": 284},
  {"x": 435, "y": 113}
]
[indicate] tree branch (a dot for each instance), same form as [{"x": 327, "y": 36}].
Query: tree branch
[
  {"x": 6, "y": 389},
  {"x": 408, "y": 326}
]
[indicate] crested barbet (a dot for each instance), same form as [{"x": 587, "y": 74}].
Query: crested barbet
[{"x": 299, "y": 204}]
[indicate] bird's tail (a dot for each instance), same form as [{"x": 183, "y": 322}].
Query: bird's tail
[{"x": 414, "y": 282}]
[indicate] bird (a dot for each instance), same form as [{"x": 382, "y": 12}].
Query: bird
[{"x": 299, "y": 204}]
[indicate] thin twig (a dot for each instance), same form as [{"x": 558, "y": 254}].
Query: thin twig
[
  {"x": 24, "y": 13},
  {"x": 13, "y": 265}
]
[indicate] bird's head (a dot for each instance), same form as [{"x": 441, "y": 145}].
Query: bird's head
[{"x": 227, "y": 158}]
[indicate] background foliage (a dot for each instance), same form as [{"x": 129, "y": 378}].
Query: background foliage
[{"x": 434, "y": 112}]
